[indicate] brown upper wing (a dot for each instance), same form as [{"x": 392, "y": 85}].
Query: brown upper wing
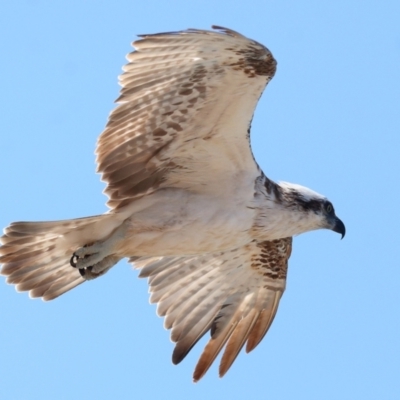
[
  {"x": 186, "y": 103},
  {"x": 233, "y": 294}
]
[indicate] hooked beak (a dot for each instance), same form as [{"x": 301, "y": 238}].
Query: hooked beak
[{"x": 339, "y": 227}]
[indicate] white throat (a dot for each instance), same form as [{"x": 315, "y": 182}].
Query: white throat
[{"x": 282, "y": 211}]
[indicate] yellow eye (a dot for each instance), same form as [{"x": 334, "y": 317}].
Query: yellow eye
[{"x": 329, "y": 208}]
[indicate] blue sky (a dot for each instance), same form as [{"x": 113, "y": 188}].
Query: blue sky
[{"x": 330, "y": 120}]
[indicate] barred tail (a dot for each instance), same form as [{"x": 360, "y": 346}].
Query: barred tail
[{"x": 35, "y": 255}]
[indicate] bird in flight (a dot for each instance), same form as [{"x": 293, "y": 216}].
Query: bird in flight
[{"x": 189, "y": 206}]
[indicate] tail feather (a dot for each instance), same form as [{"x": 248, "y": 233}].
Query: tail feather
[
  {"x": 35, "y": 255},
  {"x": 42, "y": 262},
  {"x": 50, "y": 292},
  {"x": 31, "y": 278}
]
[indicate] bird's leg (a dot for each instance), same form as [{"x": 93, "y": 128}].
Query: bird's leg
[
  {"x": 84, "y": 252},
  {"x": 96, "y": 259},
  {"x": 100, "y": 268},
  {"x": 85, "y": 256},
  {"x": 92, "y": 262}
]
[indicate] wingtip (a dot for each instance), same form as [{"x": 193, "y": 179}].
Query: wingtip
[
  {"x": 227, "y": 31},
  {"x": 198, "y": 374}
]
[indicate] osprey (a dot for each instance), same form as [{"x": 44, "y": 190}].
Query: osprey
[{"x": 189, "y": 206}]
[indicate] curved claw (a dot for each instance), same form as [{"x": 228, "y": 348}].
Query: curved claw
[
  {"x": 73, "y": 261},
  {"x": 87, "y": 273}
]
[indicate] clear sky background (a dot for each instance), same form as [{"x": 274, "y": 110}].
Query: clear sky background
[{"x": 330, "y": 120}]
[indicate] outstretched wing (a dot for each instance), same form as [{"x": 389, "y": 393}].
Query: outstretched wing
[
  {"x": 233, "y": 294},
  {"x": 186, "y": 104}
]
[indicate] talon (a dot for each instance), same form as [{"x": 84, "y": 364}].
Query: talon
[
  {"x": 73, "y": 261},
  {"x": 83, "y": 271}
]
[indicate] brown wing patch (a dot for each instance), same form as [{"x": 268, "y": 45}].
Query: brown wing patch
[
  {"x": 272, "y": 260},
  {"x": 254, "y": 60},
  {"x": 138, "y": 163}
]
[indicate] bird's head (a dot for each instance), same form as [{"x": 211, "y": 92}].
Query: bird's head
[{"x": 314, "y": 210}]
